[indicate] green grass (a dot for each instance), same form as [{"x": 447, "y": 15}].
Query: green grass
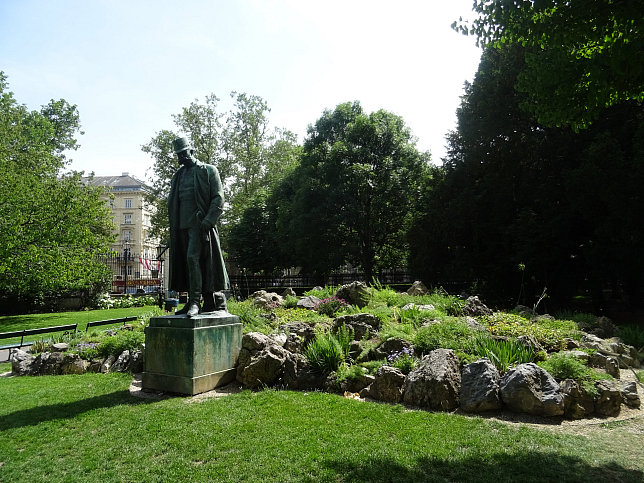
[
  {"x": 35, "y": 321},
  {"x": 89, "y": 428}
]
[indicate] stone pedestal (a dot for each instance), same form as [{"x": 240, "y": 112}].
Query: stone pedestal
[{"x": 191, "y": 355}]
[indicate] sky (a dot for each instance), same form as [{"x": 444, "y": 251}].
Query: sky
[{"x": 129, "y": 65}]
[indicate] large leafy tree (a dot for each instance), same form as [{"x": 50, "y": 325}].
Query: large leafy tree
[
  {"x": 51, "y": 224},
  {"x": 247, "y": 153},
  {"x": 584, "y": 55},
  {"x": 354, "y": 191}
]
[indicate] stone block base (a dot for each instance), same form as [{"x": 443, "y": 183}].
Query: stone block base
[{"x": 191, "y": 355}]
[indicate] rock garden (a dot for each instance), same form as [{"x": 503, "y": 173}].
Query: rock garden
[{"x": 422, "y": 349}]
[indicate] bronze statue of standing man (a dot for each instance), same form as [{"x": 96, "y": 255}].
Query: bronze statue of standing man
[{"x": 195, "y": 204}]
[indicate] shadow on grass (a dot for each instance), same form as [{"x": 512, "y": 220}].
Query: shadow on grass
[
  {"x": 40, "y": 414},
  {"x": 532, "y": 466}
]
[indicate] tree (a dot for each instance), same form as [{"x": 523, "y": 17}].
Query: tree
[
  {"x": 584, "y": 55},
  {"x": 355, "y": 191},
  {"x": 52, "y": 226},
  {"x": 239, "y": 142}
]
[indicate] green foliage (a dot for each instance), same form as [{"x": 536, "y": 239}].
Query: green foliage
[
  {"x": 52, "y": 225},
  {"x": 549, "y": 333},
  {"x": 105, "y": 301},
  {"x": 632, "y": 334},
  {"x": 449, "y": 334},
  {"x": 403, "y": 360},
  {"x": 327, "y": 351},
  {"x": 584, "y": 56},
  {"x": 290, "y": 302},
  {"x": 373, "y": 366},
  {"x": 324, "y": 292},
  {"x": 640, "y": 376},
  {"x": 502, "y": 353},
  {"x": 130, "y": 340},
  {"x": 349, "y": 372},
  {"x": 330, "y": 305},
  {"x": 564, "y": 366}
]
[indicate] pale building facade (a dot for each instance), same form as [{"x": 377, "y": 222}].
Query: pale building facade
[{"x": 135, "y": 253}]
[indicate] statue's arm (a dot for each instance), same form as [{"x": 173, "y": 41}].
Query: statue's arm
[{"x": 216, "y": 191}]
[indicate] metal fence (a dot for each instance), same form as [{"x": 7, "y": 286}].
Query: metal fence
[{"x": 134, "y": 274}]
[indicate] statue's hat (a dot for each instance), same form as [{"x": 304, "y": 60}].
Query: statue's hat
[{"x": 180, "y": 144}]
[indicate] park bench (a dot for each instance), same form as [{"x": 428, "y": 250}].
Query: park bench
[
  {"x": 97, "y": 323},
  {"x": 28, "y": 332}
]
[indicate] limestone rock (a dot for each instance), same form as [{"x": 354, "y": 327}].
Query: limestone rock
[
  {"x": 73, "y": 364},
  {"x": 435, "y": 383},
  {"x": 530, "y": 342},
  {"x": 609, "y": 400},
  {"x": 136, "y": 362},
  {"x": 417, "y": 288},
  {"x": 47, "y": 364},
  {"x": 480, "y": 387},
  {"x": 361, "y": 324},
  {"x": 357, "y": 384},
  {"x": 264, "y": 368},
  {"x": 425, "y": 307},
  {"x": 354, "y": 293},
  {"x": 387, "y": 385},
  {"x": 529, "y": 389},
  {"x": 578, "y": 403},
  {"x": 629, "y": 395},
  {"x": 60, "y": 347},
  {"x": 107, "y": 364},
  {"x": 121, "y": 363},
  {"x": 474, "y": 307},
  {"x": 299, "y": 375},
  {"x": 612, "y": 367},
  {"x": 289, "y": 292},
  {"x": 21, "y": 362},
  {"x": 267, "y": 300},
  {"x": 309, "y": 302},
  {"x": 306, "y": 332},
  {"x": 391, "y": 346}
]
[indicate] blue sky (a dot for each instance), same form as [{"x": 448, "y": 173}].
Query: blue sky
[{"x": 130, "y": 65}]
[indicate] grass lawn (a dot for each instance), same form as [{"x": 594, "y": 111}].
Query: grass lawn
[
  {"x": 89, "y": 428},
  {"x": 35, "y": 321}
]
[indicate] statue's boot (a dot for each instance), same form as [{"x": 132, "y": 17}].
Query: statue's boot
[
  {"x": 191, "y": 308},
  {"x": 208, "y": 302}
]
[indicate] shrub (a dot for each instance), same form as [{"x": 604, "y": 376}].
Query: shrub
[
  {"x": 373, "y": 366},
  {"x": 564, "y": 366},
  {"x": 349, "y": 373},
  {"x": 87, "y": 350},
  {"x": 327, "y": 351},
  {"x": 123, "y": 340},
  {"x": 290, "y": 302},
  {"x": 502, "y": 353},
  {"x": 549, "y": 333},
  {"x": 449, "y": 334},
  {"x": 640, "y": 376},
  {"x": 329, "y": 306}
]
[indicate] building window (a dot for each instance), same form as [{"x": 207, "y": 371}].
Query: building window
[
  {"x": 128, "y": 219},
  {"x": 129, "y": 270},
  {"x": 127, "y": 235},
  {"x": 128, "y": 202}
]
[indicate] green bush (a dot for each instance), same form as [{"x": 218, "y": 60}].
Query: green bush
[
  {"x": 349, "y": 373},
  {"x": 373, "y": 366},
  {"x": 640, "y": 376},
  {"x": 123, "y": 340},
  {"x": 502, "y": 353},
  {"x": 449, "y": 334},
  {"x": 564, "y": 366},
  {"x": 327, "y": 351},
  {"x": 403, "y": 360},
  {"x": 290, "y": 302},
  {"x": 329, "y": 306},
  {"x": 549, "y": 333}
]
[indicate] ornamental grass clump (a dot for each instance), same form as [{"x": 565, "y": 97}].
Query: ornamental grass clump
[
  {"x": 565, "y": 366},
  {"x": 503, "y": 353},
  {"x": 327, "y": 351},
  {"x": 448, "y": 334}
]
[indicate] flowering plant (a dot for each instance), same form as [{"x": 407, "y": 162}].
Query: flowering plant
[
  {"x": 330, "y": 305},
  {"x": 403, "y": 360}
]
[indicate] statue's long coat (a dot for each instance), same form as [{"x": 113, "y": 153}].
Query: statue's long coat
[{"x": 209, "y": 196}]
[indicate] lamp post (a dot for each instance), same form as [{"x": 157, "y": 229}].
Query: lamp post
[{"x": 126, "y": 255}]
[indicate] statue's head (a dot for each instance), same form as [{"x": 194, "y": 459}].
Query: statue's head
[{"x": 182, "y": 149}]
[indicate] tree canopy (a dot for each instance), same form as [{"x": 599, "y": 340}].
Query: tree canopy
[
  {"x": 51, "y": 224},
  {"x": 582, "y": 56}
]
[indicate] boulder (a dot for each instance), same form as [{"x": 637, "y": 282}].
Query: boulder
[
  {"x": 267, "y": 300},
  {"x": 609, "y": 400},
  {"x": 136, "y": 362},
  {"x": 357, "y": 384},
  {"x": 264, "y": 368},
  {"x": 523, "y": 311},
  {"x": 21, "y": 362},
  {"x": 73, "y": 364},
  {"x": 474, "y": 307},
  {"x": 309, "y": 302},
  {"x": 480, "y": 387},
  {"x": 417, "y": 288},
  {"x": 578, "y": 403},
  {"x": 392, "y": 346},
  {"x": 297, "y": 374},
  {"x": 48, "y": 364},
  {"x": 60, "y": 347},
  {"x": 612, "y": 367},
  {"x": 474, "y": 324},
  {"x": 306, "y": 332},
  {"x": 626, "y": 355},
  {"x": 435, "y": 383},
  {"x": 361, "y": 324},
  {"x": 387, "y": 385},
  {"x": 530, "y": 389},
  {"x": 252, "y": 343},
  {"x": 107, "y": 364},
  {"x": 289, "y": 292},
  {"x": 122, "y": 362},
  {"x": 530, "y": 342},
  {"x": 354, "y": 293},
  {"x": 629, "y": 395}
]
